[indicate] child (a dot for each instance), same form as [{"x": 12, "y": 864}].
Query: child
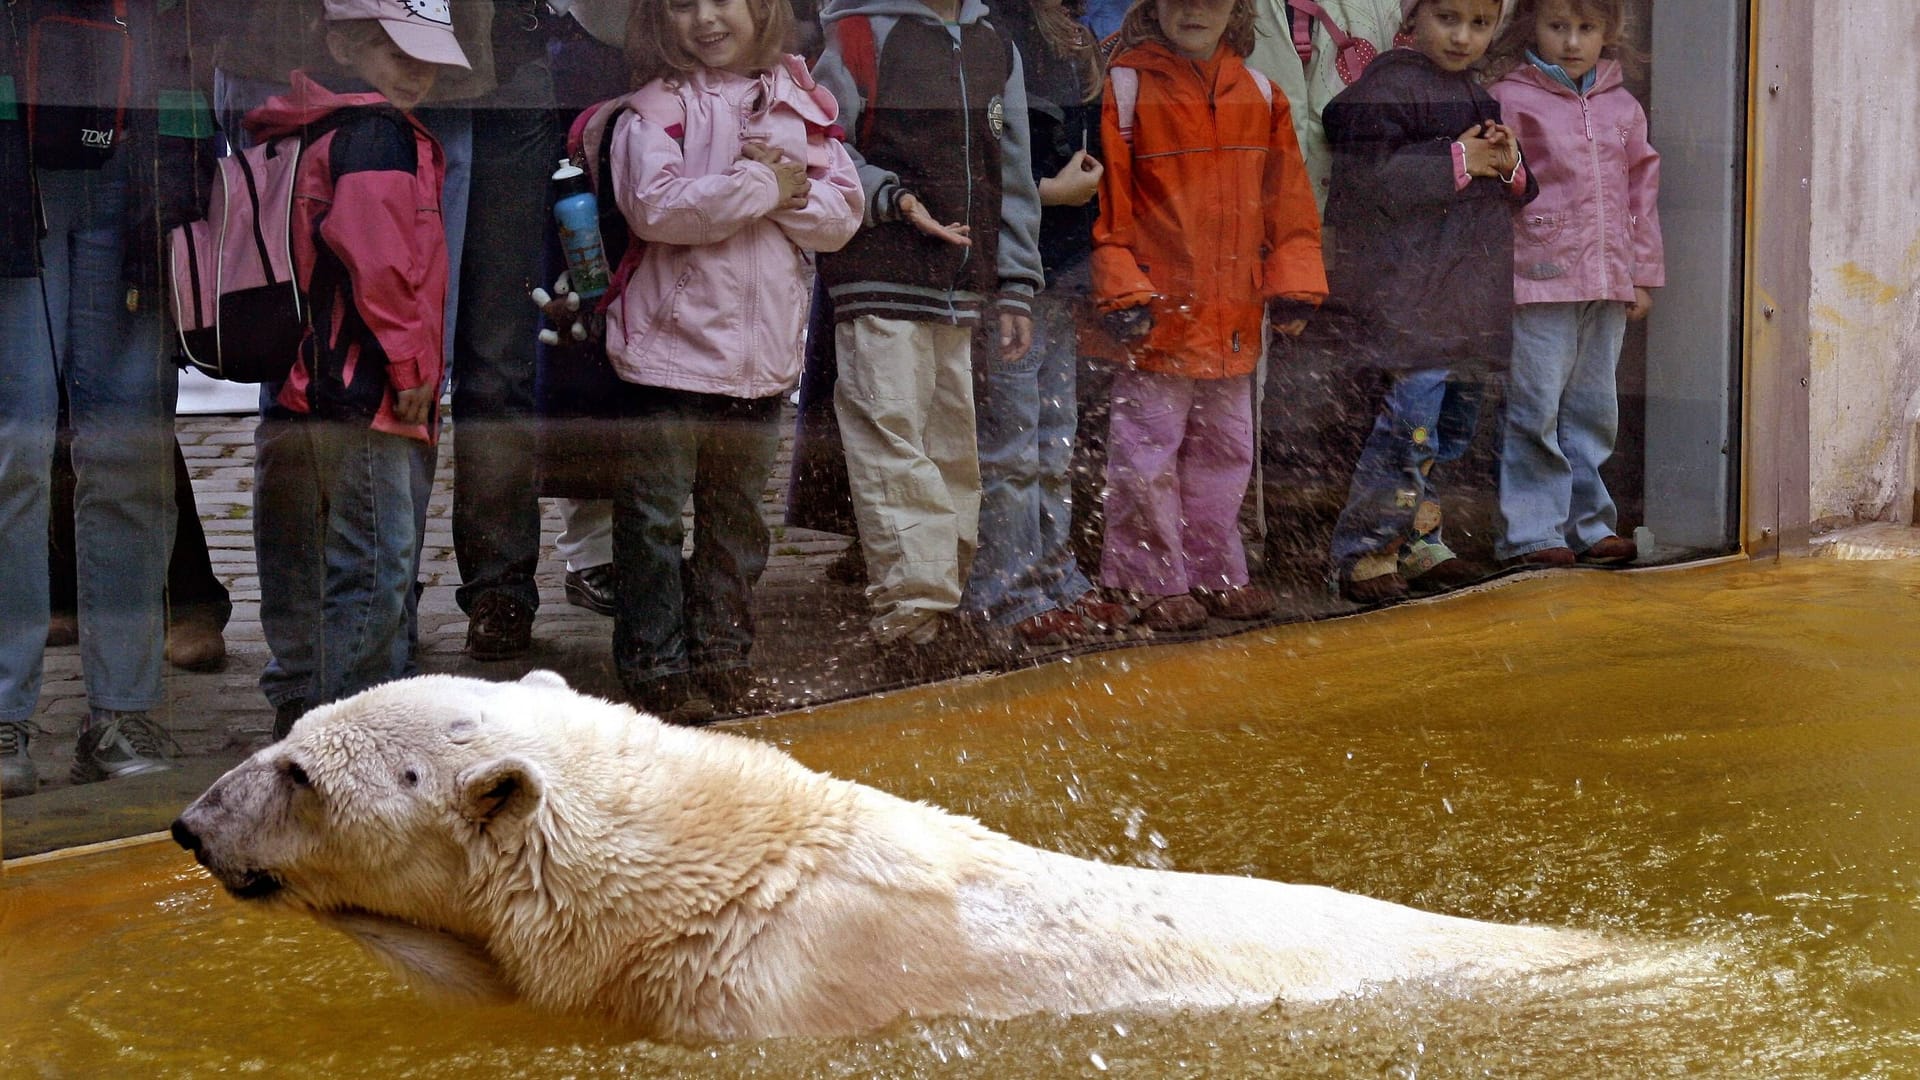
[
  {"x": 934, "y": 99},
  {"x": 1424, "y": 176},
  {"x": 1585, "y": 256},
  {"x": 729, "y": 171},
  {"x": 1025, "y": 578},
  {"x": 1206, "y": 220},
  {"x": 371, "y": 254}
]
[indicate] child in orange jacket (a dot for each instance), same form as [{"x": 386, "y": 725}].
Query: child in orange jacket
[{"x": 1207, "y": 227}]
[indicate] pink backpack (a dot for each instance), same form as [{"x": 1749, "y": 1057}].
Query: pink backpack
[{"x": 239, "y": 311}]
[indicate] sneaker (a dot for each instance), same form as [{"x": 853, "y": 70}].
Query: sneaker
[
  {"x": 1172, "y": 614},
  {"x": 1374, "y": 578},
  {"x": 284, "y": 714},
  {"x": 195, "y": 645},
  {"x": 592, "y": 588},
  {"x": 63, "y": 628},
  {"x": 673, "y": 699},
  {"x": 1553, "y": 556},
  {"x": 1241, "y": 603},
  {"x": 1430, "y": 566},
  {"x": 17, "y": 774},
  {"x": 1610, "y": 551},
  {"x": 499, "y": 628},
  {"x": 119, "y": 744}
]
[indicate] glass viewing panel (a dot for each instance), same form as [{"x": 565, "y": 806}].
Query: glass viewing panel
[{"x": 534, "y": 439}]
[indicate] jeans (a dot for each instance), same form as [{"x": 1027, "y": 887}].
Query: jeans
[
  {"x": 334, "y": 586},
  {"x": 1562, "y": 414},
  {"x": 289, "y": 673},
  {"x": 496, "y": 508},
  {"x": 673, "y": 615},
  {"x": 1025, "y": 417},
  {"x": 1179, "y": 453},
  {"x": 1426, "y": 419},
  {"x": 120, "y": 384}
]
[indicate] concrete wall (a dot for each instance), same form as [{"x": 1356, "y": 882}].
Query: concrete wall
[{"x": 1864, "y": 310}]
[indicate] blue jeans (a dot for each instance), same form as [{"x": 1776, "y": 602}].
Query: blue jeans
[
  {"x": 676, "y": 615},
  {"x": 1025, "y": 417},
  {"x": 1426, "y": 419},
  {"x": 1562, "y": 414},
  {"x": 335, "y": 583},
  {"x": 496, "y": 507},
  {"x": 120, "y": 384}
]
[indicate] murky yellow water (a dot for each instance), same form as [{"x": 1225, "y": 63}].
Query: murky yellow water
[{"x": 1723, "y": 757}]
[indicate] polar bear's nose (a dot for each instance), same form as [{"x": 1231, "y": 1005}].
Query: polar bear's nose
[{"x": 185, "y": 837}]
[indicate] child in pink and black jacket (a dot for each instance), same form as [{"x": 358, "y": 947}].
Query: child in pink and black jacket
[{"x": 370, "y": 254}]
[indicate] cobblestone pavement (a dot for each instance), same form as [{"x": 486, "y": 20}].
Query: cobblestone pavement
[{"x": 812, "y": 647}]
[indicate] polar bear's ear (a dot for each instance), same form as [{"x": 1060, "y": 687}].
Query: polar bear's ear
[
  {"x": 544, "y": 678},
  {"x": 498, "y": 791}
]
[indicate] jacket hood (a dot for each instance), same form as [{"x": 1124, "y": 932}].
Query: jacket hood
[
  {"x": 971, "y": 11},
  {"x": 1153, "y": 56},
  {"x": 789, "y": 83},
  {"x": 306, "y": 103},
  {"x": 1608, "y": 76}
]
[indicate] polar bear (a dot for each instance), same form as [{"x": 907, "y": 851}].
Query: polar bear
[{"x": 523, "y": 841}]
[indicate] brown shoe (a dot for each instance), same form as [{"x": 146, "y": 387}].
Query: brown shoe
[
  {"x": 1241, "y": 603},
  {"x": 1172, "y": 614},
  {"x": 195, "y": 645},
  {"x": 1054, "y": 626},
  {"x": 1102, "y": 616},
  {"x": 1611, "y": 551},
  {"x": 1553, "y": 556}
]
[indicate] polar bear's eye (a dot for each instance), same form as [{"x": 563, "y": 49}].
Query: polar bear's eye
[
  {"x": 411, "y": 776},
  {"x": 296, "y": 774}
]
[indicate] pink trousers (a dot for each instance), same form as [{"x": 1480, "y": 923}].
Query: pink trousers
[{"x": 1180, "y": 452}]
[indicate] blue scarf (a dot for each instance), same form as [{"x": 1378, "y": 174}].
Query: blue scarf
[{"x": 1559, "y": 74}]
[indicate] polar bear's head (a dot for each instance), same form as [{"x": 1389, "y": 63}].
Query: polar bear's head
[{"x": 374, "y": 811}]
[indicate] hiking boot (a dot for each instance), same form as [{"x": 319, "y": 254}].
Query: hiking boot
[
  {"x": 1242, "y": 603},
  {"x": 737, "y": 691},
  {"x": 592, "y": 588},
  {"x": 195, "y": 644},
  {"x": 850, "y": 568},
  {"x": 499, "y": 628},
  {"x": 284, "y": 714},
  {"x": 1553, "y": 556},
  {"x": 119, "y": 744},
  {"x": 17, "y": 774},
  {"x": 1610, "y": 551},
  {"x": 63, "y": 628},
  {"x": 673, "y": 699}
]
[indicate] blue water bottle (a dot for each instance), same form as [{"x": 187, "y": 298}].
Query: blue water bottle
[{"x": 577, "y": 213}]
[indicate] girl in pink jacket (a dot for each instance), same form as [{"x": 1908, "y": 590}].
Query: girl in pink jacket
[
  {"x": 731, "y": 174},
  {"x": 1587, "y": 253}
]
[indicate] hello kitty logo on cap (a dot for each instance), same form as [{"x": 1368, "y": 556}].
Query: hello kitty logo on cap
[{"x": 423, "y": 29}]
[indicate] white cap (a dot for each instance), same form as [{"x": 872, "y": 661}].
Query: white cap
[{"x": 423, "y": 29}]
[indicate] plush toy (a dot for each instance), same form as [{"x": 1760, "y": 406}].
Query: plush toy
[{"x": 562, "y": 309}]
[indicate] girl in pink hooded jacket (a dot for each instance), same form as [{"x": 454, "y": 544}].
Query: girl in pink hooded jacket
[
  {"x": 730, "y": 171},
  {"x": 1586, "y": 254}
]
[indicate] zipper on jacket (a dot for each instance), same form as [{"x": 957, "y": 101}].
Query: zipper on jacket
[{"x": 966, "y": 149}]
